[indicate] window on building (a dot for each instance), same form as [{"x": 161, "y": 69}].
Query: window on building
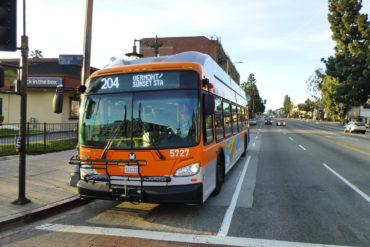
[{"x": 74, "y": 108}]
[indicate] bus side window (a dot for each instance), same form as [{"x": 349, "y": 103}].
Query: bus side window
[
  {"x": 240, "y": 118},
  {"x": 246, "y": 115},
  {"x": 218, "y": 120},
  {"x": 234, "y": 119},
  {"x": 227, "y": 118},
  {"x": 243, "y": 116},
  {"x": 207, "y": 121}
]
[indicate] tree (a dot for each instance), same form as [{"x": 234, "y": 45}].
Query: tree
[
  {"x": 310, "y": 106},
  {"x": 255, "y": 102},
  {"x": 287, "y": 105},
  {"x": 328, "y": 99},
  {"x": 315, "y": 83},
  {"x": 36, "y": 54},
  {"x": 348, "y": 70}
]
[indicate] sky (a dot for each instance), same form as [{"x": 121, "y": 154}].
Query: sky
[{"x": 280, "y": 41}]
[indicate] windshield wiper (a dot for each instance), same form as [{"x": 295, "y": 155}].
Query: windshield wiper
[
  {"x": 160, "y": 155},
  {"x": 111, "y": 138}
]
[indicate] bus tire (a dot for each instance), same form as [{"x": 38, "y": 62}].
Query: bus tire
[
  {"x": 220, "y": 175},
  {"x": 245, "y": 145}
]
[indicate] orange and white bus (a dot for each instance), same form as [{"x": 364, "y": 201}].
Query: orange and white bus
[{"x": 161, "y": 129}]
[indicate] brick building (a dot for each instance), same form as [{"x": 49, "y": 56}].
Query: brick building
[{"x": 175, "y": 45}]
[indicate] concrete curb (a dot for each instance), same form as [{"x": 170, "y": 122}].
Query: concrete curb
[{"x": 41, "y": 212}]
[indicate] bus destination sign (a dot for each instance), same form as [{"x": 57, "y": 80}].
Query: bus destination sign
[
  {"x": 148, "y": 80},
  {"x": 135, "y": 82}
]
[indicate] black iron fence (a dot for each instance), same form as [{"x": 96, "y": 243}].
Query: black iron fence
[{"x": 41, "y": 137}]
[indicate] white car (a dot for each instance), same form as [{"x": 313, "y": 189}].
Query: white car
[{"x": 354, "y": 126}]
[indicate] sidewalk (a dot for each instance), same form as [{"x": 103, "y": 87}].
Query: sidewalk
[{"x": 47, "y": 184}]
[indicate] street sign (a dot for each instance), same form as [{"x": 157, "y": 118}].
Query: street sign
[
  {"x": 70, "y": 59},
  {"x": 44, "y": 81}
]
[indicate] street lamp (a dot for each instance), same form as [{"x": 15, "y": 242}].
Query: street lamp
[
  {"x": 134, "y": 53},
  {"x": 227, "y": 65}
]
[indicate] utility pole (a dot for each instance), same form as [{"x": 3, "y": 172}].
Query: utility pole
[
  {"x": 23, "y": 93},
  {"x": 85, "y": 72}
]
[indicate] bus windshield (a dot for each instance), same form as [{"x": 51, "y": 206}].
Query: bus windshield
[{"x": 141, "y": 120}]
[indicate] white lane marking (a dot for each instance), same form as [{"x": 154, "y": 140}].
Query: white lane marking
[
  {"x": 291, "y": 138},
  {"x": 366, "y": 197},
  {"x": 176, "y": 237},
  {"x": 254, "y": 144},
  {"x": 230, "y": 210},
  {"x": 302, "y": 147}
]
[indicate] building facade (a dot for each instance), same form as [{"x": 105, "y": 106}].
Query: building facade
[
  {"x": 175, "y": 45},
  {"x": 44, "y": 75}
]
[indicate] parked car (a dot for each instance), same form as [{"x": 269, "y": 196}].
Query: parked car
[
  {"x": 252, "y": 121},
  {"x": 280, "y": 122},
  {"x": 354, "y": 126},
  {"x": 268, "y": 121}
]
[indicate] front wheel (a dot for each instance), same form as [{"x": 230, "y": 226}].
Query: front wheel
[{"x": 219, "y": 177}]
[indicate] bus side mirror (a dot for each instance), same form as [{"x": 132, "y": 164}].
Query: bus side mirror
[
  {"x": 58, "y": 102},
  {"x": 1, "y": 77},
  {"x": 209, "y": 104}
]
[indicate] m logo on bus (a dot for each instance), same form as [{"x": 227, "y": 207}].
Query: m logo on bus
[{"x": 132, "y": 156}]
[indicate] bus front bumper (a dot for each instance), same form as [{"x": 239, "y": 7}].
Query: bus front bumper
[{"x": 190, "y": 194}]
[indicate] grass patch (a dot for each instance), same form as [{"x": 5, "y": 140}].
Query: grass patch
[
  {"x": 5, "y": 132},
  {"x": 39, "y": 148}
]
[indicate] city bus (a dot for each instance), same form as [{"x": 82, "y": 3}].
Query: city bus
[{"x": 161, "y": 130}]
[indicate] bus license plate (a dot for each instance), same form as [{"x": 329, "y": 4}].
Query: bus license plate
[{"x": 131, "y": 169}]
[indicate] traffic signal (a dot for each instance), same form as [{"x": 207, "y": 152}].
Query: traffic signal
[{"x": 8, "y": 25}]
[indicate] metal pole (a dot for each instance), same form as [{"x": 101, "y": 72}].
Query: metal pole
[
  {"x": 22, "y": 152},
  {"x": 85, "y": 72}
]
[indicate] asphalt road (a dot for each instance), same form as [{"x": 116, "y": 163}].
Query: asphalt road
[{"x": 299, "y": 185}]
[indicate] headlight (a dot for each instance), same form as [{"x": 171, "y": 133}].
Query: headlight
[{"x": 188, "y": 170}]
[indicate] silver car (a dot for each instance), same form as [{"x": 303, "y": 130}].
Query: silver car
[
  {"x": 354, "y": 126},
  {"x": 252, "y": 121}
]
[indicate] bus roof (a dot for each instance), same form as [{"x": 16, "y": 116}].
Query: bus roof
[{"x": 204, "y": 60}]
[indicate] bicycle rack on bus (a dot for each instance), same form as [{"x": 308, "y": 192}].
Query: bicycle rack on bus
[{"x": 123, "y": 191}]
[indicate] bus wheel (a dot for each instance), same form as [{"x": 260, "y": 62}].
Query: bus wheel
[
  {"x": 220, "y": 175},
  {"x": 245, "y": 145}
]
